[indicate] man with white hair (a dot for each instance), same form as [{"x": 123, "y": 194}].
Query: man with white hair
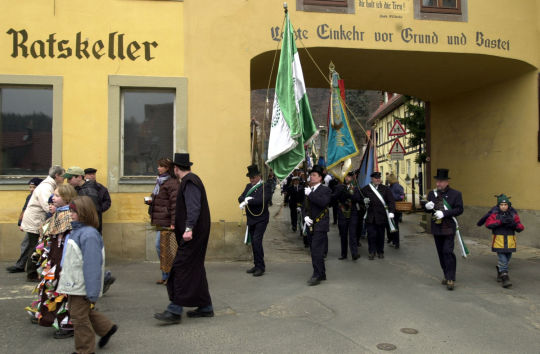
[{"x": 35, "y": 215}]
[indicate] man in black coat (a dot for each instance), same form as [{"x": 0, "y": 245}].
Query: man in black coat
[
  {"x": 317, "y": 220},
  {"x": 294, "y": 198},
  {"x": 380, "y": 207},
  {"x": 187, "y": 284},
  {"x": 254, "y": 200},
  {"x": 444, "y": 204},
  {"x": 347, "y": 196}
]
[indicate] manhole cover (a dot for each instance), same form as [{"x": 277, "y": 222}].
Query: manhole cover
[
  {"x": 409, "y": 330},
  {"x": 386, "y": 346}
]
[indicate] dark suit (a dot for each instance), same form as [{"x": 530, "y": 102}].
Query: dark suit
[
  {"x": 346, "y": 197},
  {"x": 295, "y": 198},
  {"x": 377, "y": 219},
  {"x": 316, "y": 207},
  {"x": 257, "y": 219},
  {"x": 444, "y": 230}
]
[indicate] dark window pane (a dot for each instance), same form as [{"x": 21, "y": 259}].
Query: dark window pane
[
  {"x": 429, "y": 3},
  {"x": 449, "y": 4},
  {"x": 148, "y": 129},
  {"x": 26, "y": 130}
]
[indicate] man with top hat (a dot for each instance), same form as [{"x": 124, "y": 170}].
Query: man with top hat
[
  {"x": 346, "y": 196},
  {"x": 187, "y": 284},
  {"x": 445, "y": 203},
  {"x": 254, "y": 200},
  {"x": 317, "y": 221},
  {"x": 380, "y": 209}
]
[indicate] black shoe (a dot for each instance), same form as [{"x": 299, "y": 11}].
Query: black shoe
[
  {"x": 313, "y": 281},
  {"x": 371, "y": 256},
  {"x": 107, "y": 283},
  {"x": 450, "y": 284},
  {"x": 342, "y": 258},
  {"x": 199, "y": 313},
  {"x": 380, "y": 255},
  {"x": 168, "y": 317},
  {"x": 506, "y": 283},
  {"x": 251, "y": 270},
  {"x": 258, "y": 272},
  {"x": 63, "y": 333},
  {"x": 355, "y": 257},
  {"x": 396, "y": 247},
  {"x": 321, "y": 278},
  {"x": 105, "y": 339},
  {"x": 14, "y": 269}
]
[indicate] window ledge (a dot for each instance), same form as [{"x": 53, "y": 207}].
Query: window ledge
[{"x": 137, "y": 180}]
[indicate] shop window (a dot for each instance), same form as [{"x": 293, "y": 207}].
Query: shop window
[
  {"x": 336, "y": 6},
  {"x": 30, "y": 128},
  {"x": 441, "y": 6},
  {"x": 147, "y": 121}
]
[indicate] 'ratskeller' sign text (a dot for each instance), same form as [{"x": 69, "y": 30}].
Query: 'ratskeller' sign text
[{"x": 83, "y": 48}]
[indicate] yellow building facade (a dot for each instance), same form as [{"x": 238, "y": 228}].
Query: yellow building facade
[{"x": 476, "y": 66}]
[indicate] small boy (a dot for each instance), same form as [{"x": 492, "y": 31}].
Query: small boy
[{"x": 504, "y": 221}]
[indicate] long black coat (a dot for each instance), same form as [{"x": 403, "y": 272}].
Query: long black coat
[
  {"x": 187, "y": 284},
  {"x": 376, "y": 213},
  {"x": 315, "y": 203},
  {"x": 257, "y": 204},
  {"x": 454, "y": 199}
]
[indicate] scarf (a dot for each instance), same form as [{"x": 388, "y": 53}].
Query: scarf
[{"x": 159, "y": 181}]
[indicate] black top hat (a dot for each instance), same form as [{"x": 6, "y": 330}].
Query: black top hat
[
  {"x": 182, "y": 159},
  {"x": 375, "y": 174},
  {"x": 317, "y": 169},
  {"x": 442, "y": 174},
  {"x": 89, "y": 170},
  {"x": 253, "y": 171}
]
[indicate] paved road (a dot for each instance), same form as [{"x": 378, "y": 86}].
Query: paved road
[{"x": 362, "y": 304}]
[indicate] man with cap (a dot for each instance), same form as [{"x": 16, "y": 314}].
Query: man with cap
[
  {"x": 445, "y": 203},
  {"x": 103, "y": 192},
  {"x": 75, "y": 177},
  {"x": 254, "y": 200},
  {"x": 35, "y": 215},
  {"x": 19, "y": 265},
  {"x": 380, "y": 209},
  {"x": 317, "y": 222},
  {"x": 187, "y": 284},
  {"x": 346, "y": 196}
]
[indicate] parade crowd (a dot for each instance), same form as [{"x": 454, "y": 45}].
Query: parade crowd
[{"x": 63, "y": 249}]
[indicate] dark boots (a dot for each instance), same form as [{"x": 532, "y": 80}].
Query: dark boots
[{"x": 505, "y": 280}]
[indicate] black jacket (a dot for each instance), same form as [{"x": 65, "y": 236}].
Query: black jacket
[
  {"x": 294, "y": 196},
  {"x": 446, "y": 226},
  {"x": 347, "y": 198},
  {"x": 315, "y": 203},
  {"x": 257, "y": 204},
  {"x": 376, "y": 213}
]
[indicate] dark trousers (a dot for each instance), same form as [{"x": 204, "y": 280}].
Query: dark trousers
[
  {"x": 21, "y": 262},
  {"x": 294, "y": 216},
  {"x": 335, "y": 213},
  {"x": 375, "y": 236},
  {"x": 86, "y": 323},
  {"x": 319, "y": 244},
  {"x": 447, "y": 258},
  {"x": 347, "y": 234},
  {"x": 257, "y": 232},
  {"x": 394, "y": 236},
  {"x": 31, "y": 267}
]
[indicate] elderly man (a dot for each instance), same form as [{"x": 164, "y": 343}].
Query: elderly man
[
  {"x": 103, "y": 192},
  {"x": 380, "y": 209},
  {"x": 317, "y": 220},
  {"x": 445, "y": 204},
  {"x": 255, "y": 199},
  {"x": 35, "y": 214},
  {"x": 187, "y": 284}
]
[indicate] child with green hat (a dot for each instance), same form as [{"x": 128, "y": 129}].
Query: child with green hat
[{"x": 504, "y": 222}]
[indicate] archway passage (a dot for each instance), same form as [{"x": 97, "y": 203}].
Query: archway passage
[{"x": 429, "y": 76}]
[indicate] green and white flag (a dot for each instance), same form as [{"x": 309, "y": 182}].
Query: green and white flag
[{"x": 292, "y": 123}]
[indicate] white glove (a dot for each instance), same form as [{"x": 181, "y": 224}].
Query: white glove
[
  {"x": 242, "y": 205},
  {"x": 307, "y": 190},
  {"x": 247, "y": 199},
  {"x": 308, "y": 221},
  {"x": 391, "y": 215},
  {"x": 366, "y": 201},
  {"x": 439, "y": 214},
  {"x": 298, "y": 209},
  {"x": 430, "y": 205}
]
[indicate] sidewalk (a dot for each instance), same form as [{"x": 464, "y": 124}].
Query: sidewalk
[{"x": 362, "y": 304}]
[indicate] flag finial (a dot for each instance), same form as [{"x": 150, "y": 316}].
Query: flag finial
[{"x": 285, "y": 7}]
